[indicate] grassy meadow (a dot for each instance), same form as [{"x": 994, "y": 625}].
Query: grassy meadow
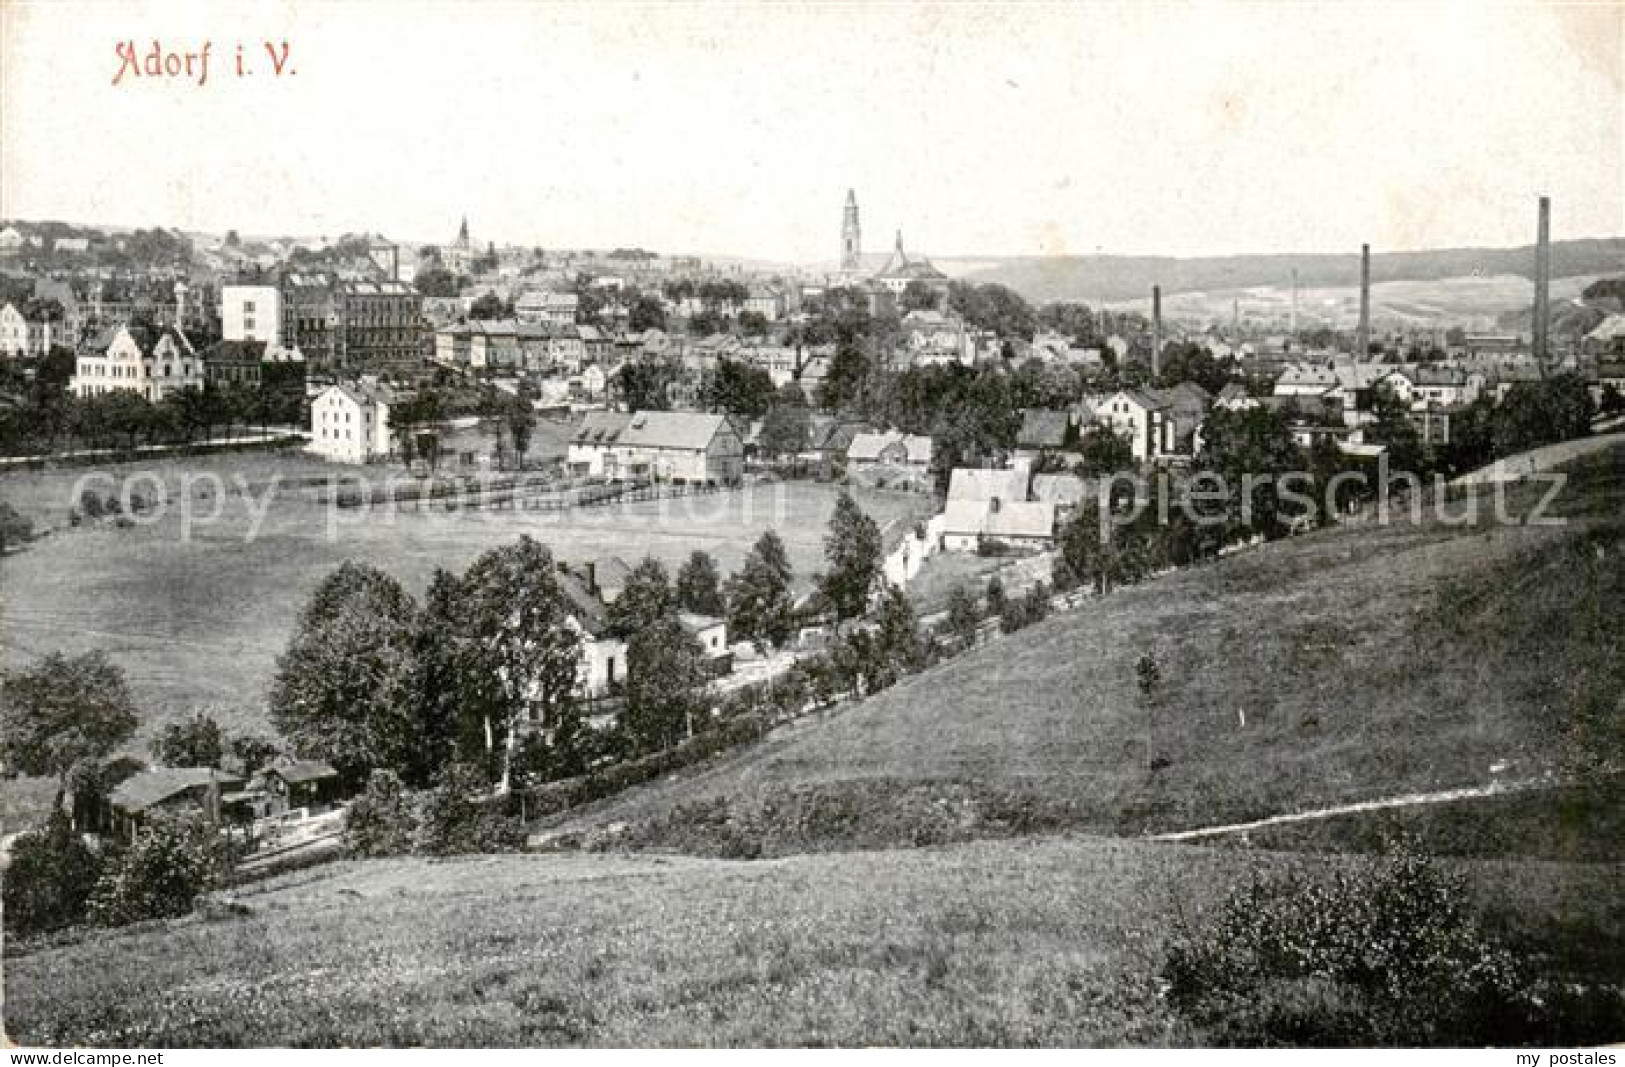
[{"x": 1053, "y": 941}]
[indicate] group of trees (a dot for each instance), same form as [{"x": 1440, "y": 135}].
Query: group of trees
[
  {"x": 372, "y": 681},
  {"x": 665, "y": 665},
  {"x": 124, "y": 418},
  {"x": 993, "y": 307},
  {"x": 484, "y": 673},
  {"x": 739, "y": 389},
  {"x": 1530, "y": 415},
  {"x": 645, "y": 384}
]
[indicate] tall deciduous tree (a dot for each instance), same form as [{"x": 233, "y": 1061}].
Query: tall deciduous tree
[
  {"x": 699, "y": 586},
  {"x": 521, "y": 425},
  {"x": 898, "y": 631},
  {"x": 852, "y": 550},
  {"x": 760, "y": 608},
  {"x": 519, "y": 634},
  {"x": 646, "y": 597},
  {"x": 665, "y": 676},
  {"x": 786, "y": 430},
  {"x": 447, "y": 718},
  {"x": 62, "y": 710},
  {"x": 341, "y": 688}
]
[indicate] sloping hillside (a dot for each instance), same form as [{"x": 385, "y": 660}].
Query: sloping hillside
[
  {"x": 1345, "y": 665},
  {"x": 1095, "y": 278},
  {"x": 1475, "y": 303}
]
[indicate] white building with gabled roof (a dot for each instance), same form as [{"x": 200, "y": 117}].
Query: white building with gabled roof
[
  {"x": 154, "y": 362},
  {"x": 349, "y": 423}
]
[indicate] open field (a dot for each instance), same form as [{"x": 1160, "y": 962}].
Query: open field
[
  {"x": 1345, "y": 665},
  {"x": 1032, "y": 942},
  {"x": 196, "y": 612}
]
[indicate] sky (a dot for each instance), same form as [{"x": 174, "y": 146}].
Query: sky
[{"x": 1151, "y": 128}]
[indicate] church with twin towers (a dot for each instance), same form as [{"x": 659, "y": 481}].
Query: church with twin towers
[{"x": 895, "y": 272}]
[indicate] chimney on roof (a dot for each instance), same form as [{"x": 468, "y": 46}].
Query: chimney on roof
[
  {"x": 1362, "y": 339},
  {"x": 1543, "y": 284},
  {"x": 1156, "y": 331},
  {"x": 592, "y": 577}
]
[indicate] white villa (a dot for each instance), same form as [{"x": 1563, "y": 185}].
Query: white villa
[{"x": 146, "y": 360}]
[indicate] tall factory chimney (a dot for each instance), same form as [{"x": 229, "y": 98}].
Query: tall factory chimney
[
  {"x": 1294, "y": 304},
  {"x": 1362, "y": 340},
  {"x": 1156, "y": 331},
  {"x": 1543, "y": 285}
]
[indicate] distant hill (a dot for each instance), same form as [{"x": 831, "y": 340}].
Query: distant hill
[
  {"x": 1474, "y": 302},
  {"x": 1095, "y": 278}
]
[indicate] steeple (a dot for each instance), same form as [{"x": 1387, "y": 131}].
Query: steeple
[
  {"x": 899, "y": 242},
  {"x": 462, "y": 231},
  {"x": 851, "y": 234}
]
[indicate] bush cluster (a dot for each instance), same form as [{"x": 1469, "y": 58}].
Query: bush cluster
[
  {"x": 1018, "y": 614},
  {"x": 1388, "y": 953},
  {"x": 453, "y": 818},
  {"x": 161, "y": 873},
  {"x": 48, "y": 884}
]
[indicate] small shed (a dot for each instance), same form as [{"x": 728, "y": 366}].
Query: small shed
[{"x": 293, "y": 784}]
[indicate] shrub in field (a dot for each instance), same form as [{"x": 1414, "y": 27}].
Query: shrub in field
[
  {"x": 456, "y": 817},
  {"x": 1148, "y": 676},
  {"x": 964, "y": 613},
  {"x": 1032, "y": 607},
  {"x": 1388, "y": 953},
  {"x": 381, "y": 821},
  {"x": 50, "y": 878},
  {"x": 15, "y": 528},
  {"x": 160, "y": 874}
]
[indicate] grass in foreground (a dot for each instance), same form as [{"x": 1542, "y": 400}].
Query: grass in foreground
[{"x": 1034, "y": 942}]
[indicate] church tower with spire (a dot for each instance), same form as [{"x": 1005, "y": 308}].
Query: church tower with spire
[{"x": 851, "y": 235}]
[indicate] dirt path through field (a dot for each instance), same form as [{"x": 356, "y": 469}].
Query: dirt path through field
[{"x": 1406, "y": 800}]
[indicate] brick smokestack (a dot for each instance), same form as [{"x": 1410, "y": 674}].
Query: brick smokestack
[
  {"x": 1362, "y": 340},
  {"x": 1543, "y": 284},
  {"x": 1156, "y": 331}
]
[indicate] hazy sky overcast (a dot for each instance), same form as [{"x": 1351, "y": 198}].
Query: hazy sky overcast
[{"x": 1152, "y": 128}]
